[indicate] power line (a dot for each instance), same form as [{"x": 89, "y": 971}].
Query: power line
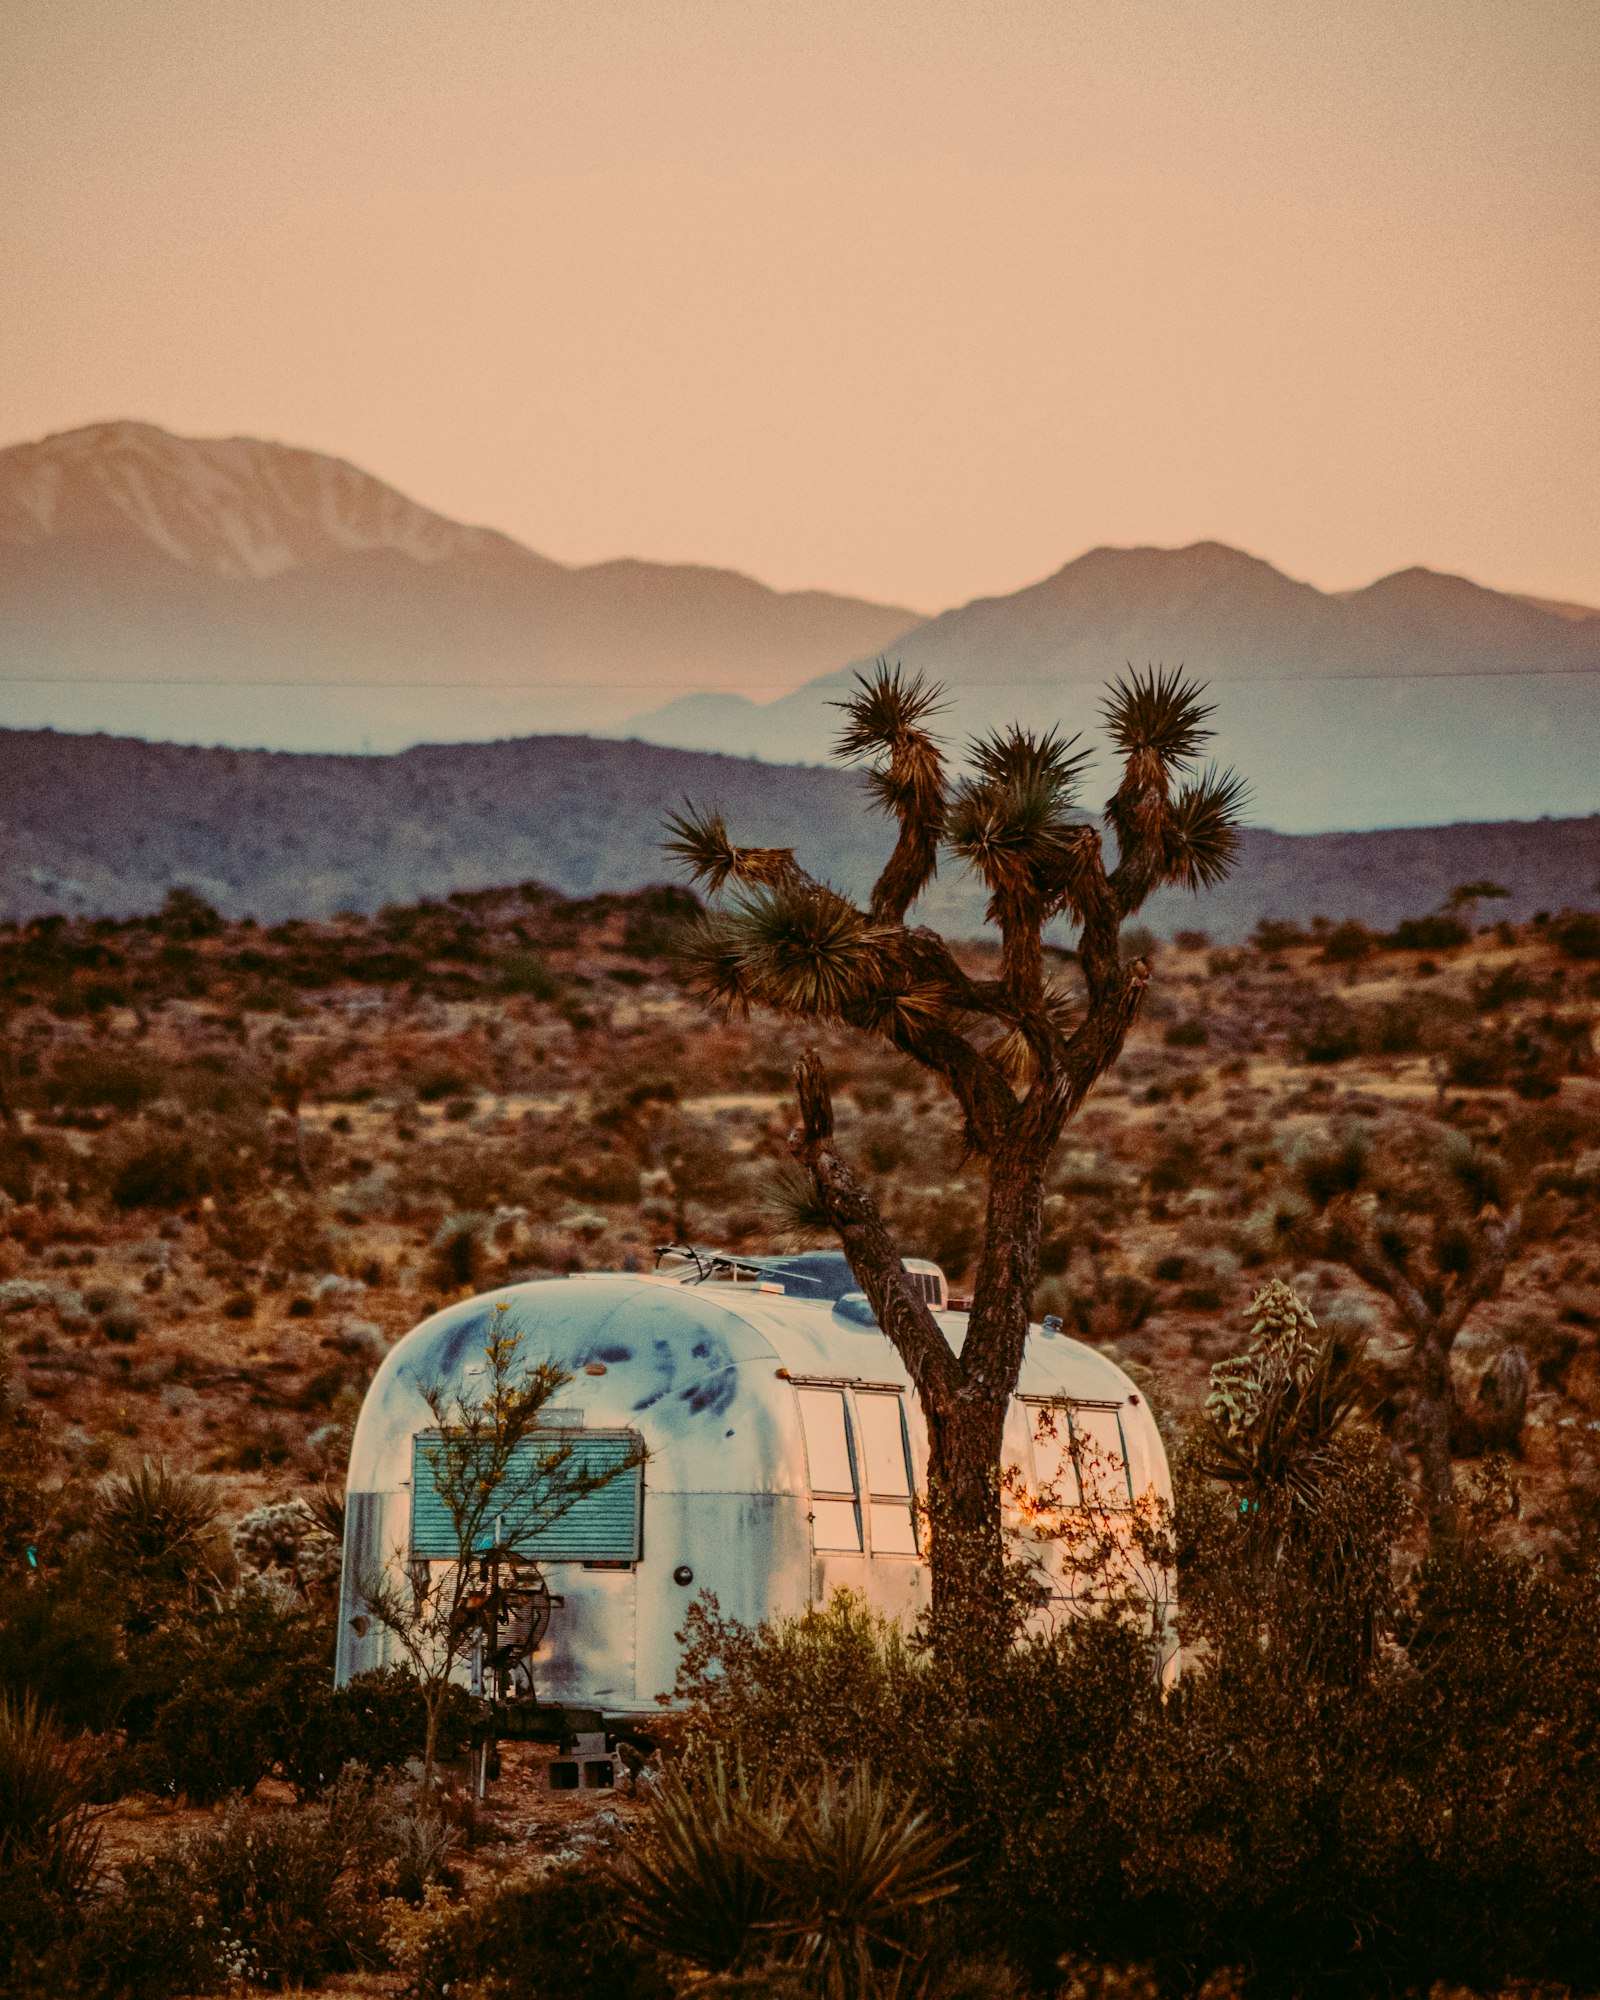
[{"x": 779, "y": 692}]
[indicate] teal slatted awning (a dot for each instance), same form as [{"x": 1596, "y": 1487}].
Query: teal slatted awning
[{"x": 534, "y": 1511}]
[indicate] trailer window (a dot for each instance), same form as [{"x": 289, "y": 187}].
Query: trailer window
[
  {"x": 1079, "y": 1455},
  {"x": 1102, "y": 1457},
  {"x": 536, "y": 1511},
  {"x": 886, "y": 1450},
  {"x": 831, "y": 1464}
]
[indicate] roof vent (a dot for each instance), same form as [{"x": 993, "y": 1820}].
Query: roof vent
[{"x": 855, "y": 1308}]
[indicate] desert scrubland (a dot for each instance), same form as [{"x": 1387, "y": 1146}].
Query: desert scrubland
[{"x": 238, "y": 1162}]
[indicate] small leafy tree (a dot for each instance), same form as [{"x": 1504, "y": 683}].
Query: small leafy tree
[
  {"x": 1017, "y": 1052},
  {"x": 490, "y": 1459}
]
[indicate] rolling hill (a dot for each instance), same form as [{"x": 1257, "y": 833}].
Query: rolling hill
[{"x": 97, "y": 824}]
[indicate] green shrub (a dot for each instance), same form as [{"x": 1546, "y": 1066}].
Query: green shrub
[
  {"x": 217, "y": 1701},
  {"x": 59, "y": 1649},
  {"x": 1577, "y": 935},
  {"x": 272, "y": 1899},
  {"x": 377, "y": 1720},
  {"x": 1440, "y": 932},
  {"x": 556, "y": 1935}
]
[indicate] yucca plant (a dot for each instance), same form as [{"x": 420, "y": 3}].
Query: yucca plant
[
  {"x": 856, "y": 1871},
  {"x": 1017, "y": 1052},
  {"x": 829, "y": 1884},
  {"x": 1280, "y": 1432},
  {"x": 49, "y": 1843},
  {"x": 155, "y": 1534},
  {"x": 700, "y": 1885}
]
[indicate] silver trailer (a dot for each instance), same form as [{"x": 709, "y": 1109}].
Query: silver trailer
[{"x": 784, "y": 1452}]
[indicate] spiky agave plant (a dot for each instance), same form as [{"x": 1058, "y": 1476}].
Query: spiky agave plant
[
  {"x": 155, "y": 1534},
  {"x": 1018, "y": 1052},
  {"x": 698, "y": 1883},
  {"x": 48, "y": 1839},
  {"x": 858, "y": 1868}
]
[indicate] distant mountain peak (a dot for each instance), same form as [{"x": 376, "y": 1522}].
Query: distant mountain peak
[{"x": 231, "y": 507}]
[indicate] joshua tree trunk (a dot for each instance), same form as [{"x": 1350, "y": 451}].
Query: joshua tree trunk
[
  {"x": 1432, "y": 1419},
  {"x": 963, "y": 1398},
  {"x": 1018, "y": 1052}
]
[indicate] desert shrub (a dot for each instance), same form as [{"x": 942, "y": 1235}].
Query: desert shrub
[
  {"x": 27, "y": 1509},
  {"x": 33, "y": 1160},
  {"x": 554, "y": 1935},
  {"x": 163, "y": 1170},
  {"x": 942, "y": 1223},
  {"x": 1179, "y": 1164},
  {"x": 58, "y": 1648},
  {"x": 1439, "y": 932},
  {"x": 217, "y": 1701},
  {"x": 269, "y": 1899},
  {"x": 377, "y": 1720},
  {"x": 601, "y": 1176},
  {"x": 97, "y": 1075},
  {"x": 1189, "y": 1034},
  {"x": 528, "y": 973},
  {"x": 1502, "y": 988},
  {"x": 656, "y": 925},
  {"x": 843, "y": 1676},
  {"x": 1332, "y": 1036},
  {"x": 1348, "y": 943},
  {"x": 435, "y": 1085},
  {"x": 1577, "y": 934},
  {"x": 459, "y": 1253},
  {"x": 1273, "y": 934},
  {"x": 186, "y": 915},
  {"x": 1112, "y": 1304}
]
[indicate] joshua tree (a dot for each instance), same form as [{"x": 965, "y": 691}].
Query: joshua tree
[
  {"x": 1427, "y": 1229},
  {"x": 1017, "y": 1052}
]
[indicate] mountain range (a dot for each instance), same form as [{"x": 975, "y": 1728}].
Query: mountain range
[
  {"x": 1419, "y": 698},
  {"x": 234, "y": 591},
  {"x": 96, "y": 825},
  {"x": 185, "y": 586}
]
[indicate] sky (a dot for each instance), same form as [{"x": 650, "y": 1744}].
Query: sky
[{"x": 914, "y": 301}]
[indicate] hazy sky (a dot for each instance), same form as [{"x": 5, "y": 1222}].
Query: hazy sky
[{"x": 911, "y": 300}]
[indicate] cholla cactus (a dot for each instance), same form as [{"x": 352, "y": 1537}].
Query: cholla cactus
[
  {"x": 1281, "y": 1354},
  {"x": 1275, "y": 1410}
]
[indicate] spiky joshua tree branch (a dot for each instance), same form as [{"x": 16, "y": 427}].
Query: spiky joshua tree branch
[{"x": 1017, "y": 1052}]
